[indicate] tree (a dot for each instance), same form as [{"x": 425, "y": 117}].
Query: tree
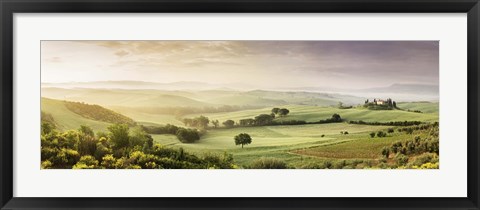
[
  {"x": 215, "y": 123},
  {"x": 86, "y": 130},
  {"x": 202, "y": 121},
  {"x": 275, "y": 110},
  {"x": 86, "y": 145},
  {"x": 372, "y": 134},
  {"x": 242, "y": 139},
  {"x": 336, "y": 118},
  {"x": 381, "y": 134},
  {"x": 386, "y": 152},
  {"x": 187, "y": 122},
  {"x": 263, "y": 119},
  {"x": 283, "y": 112},
  {"x": 47, "y": 128},
  {"x": 187, "y": 135},
  {"x": 118, "y": 134},
  {"x": 246, "y": 122},
  {"x": 229, "y": 123},
  {"x": 138, "y": 137}
]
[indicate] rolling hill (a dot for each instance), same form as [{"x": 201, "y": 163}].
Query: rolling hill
[
  {"x": 201, "y": 98},
  {"x": 67, "y": 118}
]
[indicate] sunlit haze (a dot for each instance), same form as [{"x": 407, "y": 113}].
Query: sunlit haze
[{"x": 257, "y": 64}]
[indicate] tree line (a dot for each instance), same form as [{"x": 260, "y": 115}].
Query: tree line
[
  {"x": 391, "y": 123},
  {"x": 185, "y": 135}
]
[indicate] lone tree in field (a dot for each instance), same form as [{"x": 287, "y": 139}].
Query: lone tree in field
[{"x": 242, "y": 139}]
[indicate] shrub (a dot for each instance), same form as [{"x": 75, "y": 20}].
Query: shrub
[
  {"x": 381, "y": 134},
  {"x": 86, "y": 162},
  {"x": 268, "y": 163},
  {"x": 108, "y": 161},
  {"x": 46, "y": 164},
  {"x": 188, "y": 135},
  {"x": 401, "y": 159},
  {"x": 386, "y": 152}
]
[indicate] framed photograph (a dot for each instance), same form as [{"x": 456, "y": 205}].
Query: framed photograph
[{"x": 239, "y": 105}]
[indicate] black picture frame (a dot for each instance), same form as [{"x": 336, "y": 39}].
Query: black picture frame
[{"x": 10, "y": 7}]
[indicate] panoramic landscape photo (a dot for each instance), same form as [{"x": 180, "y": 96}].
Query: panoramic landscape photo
[{"x": 239, "y": 105}]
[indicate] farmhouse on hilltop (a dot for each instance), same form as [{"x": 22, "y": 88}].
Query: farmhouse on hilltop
[{"x": 380, "y": 102}]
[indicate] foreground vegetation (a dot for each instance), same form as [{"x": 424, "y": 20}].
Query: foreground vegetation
[{"x": 119, "y": 148}]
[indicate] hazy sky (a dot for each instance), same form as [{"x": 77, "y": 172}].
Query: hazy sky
[{"x": 340, "y": 64}]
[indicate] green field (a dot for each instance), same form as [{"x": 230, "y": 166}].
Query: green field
[
  {"x": 425, "y": 107},
  {"x": 316, "y": 113},
  {"x": 283, "y": 141}
]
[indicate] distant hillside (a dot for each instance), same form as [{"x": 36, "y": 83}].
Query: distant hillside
[
  {"x": 126, "y": 98},
  {"x": 66, "y": 119},
  {"x": 197, "y": 99},
  {"x": 306, "y": 98}
]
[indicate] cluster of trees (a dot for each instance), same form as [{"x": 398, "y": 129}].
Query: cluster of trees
[
  {"x": 334, "y": 119},
  {"x": 96, "y": 112},
  {"x": 280, "y": 112},
  {"x": 379, "y": 134},
  {"x": 392, "y": 123},
  {"x": 197, "y": 122},
  {"x": 409, "y": 130},
  {"x": 265, "y": 119},
  {"x": 388, "y": 104},
  {"x": 119, "y": 148},
  {"x": 185, "y": 135}
]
